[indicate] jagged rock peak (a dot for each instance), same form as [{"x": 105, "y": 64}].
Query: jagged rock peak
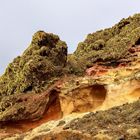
[
  {"x": 108, "y": 45},
  {"x": 40, "y": 62}
]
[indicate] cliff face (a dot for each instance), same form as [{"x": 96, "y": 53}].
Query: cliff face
[{"x": 45, "y": 84}]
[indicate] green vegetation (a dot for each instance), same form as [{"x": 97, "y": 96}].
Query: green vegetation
[
  {"x": 110, "y": 44},
  {"x": 42, "y": 61},
  {"x": 46, "y": 57}
]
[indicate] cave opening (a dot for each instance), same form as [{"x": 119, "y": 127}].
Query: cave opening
[
  {"x": 53, "y": 108},
  {"x": 98, "y": 93}
]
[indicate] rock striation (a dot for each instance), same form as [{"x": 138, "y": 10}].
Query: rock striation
[{"x": 91, "y": 94}]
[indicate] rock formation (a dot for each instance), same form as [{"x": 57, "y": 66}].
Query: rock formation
[
  {"x": 48, "y": 94},
  {"x": 42, "y": 61},
  {"x": 116, "y": 123},
  {"x": 108, "y": 45}
]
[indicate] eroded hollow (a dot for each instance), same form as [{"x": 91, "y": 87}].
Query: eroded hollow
[
  {"x": 83, "y": 100},
  {"x": 52, "y": 112},
  {"x": 53, "y": 109},
  {"x": 98, "y": 93},
  {"x": 135, "y": 93}
]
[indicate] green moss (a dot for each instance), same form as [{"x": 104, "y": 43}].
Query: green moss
[
  {"x": 74, "y": 66},
  {"x": 97, "y": 45},
  {"x": 46, "y": 57},
  {"x": 109, "y": 44},
  {"x": 42, "y": 61}
]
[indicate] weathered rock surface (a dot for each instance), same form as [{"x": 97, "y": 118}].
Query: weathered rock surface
[
  {"x": 42, "y": 61},
  {"x": 121, "y": 122},
  {"x": 45, "y": 84},
  {"x": 108, "y": 45}
]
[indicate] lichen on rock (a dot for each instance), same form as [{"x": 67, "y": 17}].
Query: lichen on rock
[
  {"x": 103, "y": 72},
  {"x": 43, "y": 60},
  {"x": 109, "y": 44}
]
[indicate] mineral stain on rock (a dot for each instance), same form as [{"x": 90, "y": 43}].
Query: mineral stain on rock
[{"x": 45, "y": 83}]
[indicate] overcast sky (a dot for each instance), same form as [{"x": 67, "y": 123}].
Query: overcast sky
[{"x": 72, "y": 20}]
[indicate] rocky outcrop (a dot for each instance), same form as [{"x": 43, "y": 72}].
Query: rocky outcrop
[
  {"x": 41, "y": 62},
  {"x": 70, "y": 95},
  {"x": 46, "y": 84},
  {"x": 108, "y": 45},
  {"x": 121, "y": 122}
]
